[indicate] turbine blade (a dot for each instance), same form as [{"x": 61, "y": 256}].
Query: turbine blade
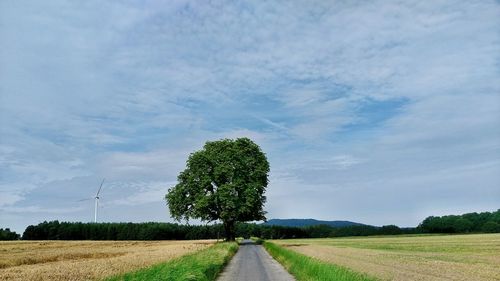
[
  {"x": 98, "y": 191},
  {"x": 86, "y": 199}
]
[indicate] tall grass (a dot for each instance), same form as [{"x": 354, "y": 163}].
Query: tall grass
[
  {"x": 305, "y": 268},
  {"x": 204, "y": 265}
]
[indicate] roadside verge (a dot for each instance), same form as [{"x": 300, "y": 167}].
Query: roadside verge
[
  {"x": 204, "y": 265},
  {"x": 305, "y": 268}
]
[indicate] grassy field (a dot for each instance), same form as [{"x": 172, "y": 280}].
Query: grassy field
[
  {"x": 429, "y": 257},
  {"x": 203, "y": 265},
  {"x": 86, "y": 260}
]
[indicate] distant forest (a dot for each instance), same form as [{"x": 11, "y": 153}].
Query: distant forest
[
  {"x": 466, "y": 223},
  {"x": 56, "y": 230},
  {"x": 7, "y": 234},
  {"x": 486, "y": 222}
]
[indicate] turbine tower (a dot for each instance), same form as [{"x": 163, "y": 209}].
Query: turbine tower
[{"x": 97, "y": 201}]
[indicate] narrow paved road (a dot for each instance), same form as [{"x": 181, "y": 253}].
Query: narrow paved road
[{"x": 253, "y": 263}]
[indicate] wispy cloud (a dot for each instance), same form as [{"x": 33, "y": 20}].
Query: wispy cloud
[
  {"x": 38, "y": 209},
  {"x": 148, "y": 192}
]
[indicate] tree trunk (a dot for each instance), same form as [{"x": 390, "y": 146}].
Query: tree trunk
[{"x": 230, "y": 231}]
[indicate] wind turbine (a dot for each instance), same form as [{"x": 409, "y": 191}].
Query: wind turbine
[{"x": 97, "y": 201}]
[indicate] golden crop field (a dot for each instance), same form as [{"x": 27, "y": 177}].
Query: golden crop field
[
  {"x": 431, "y": 258},
  {"x": 86, "y": 260}
]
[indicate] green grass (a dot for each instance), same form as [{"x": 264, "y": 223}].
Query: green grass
[
  {"x": 204, "y": 265},
  {"x": 257, "y": 240},
  {"x": 305, "y": 268}
]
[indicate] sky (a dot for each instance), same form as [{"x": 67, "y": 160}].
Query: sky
[{"x": 379, "y": 112}]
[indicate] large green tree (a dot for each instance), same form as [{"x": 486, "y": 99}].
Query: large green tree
[{"x": 225, "y": 181}]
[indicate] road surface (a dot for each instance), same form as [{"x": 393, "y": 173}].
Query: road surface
[{"x": 253, "y": 263}]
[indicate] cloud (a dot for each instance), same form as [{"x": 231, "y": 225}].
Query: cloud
[
  {"x": 9, "y": 197},
  {"x": 147, "y": 193},
  {"x": 38, "y": 210},
  {"x": 361, "y": 103}
]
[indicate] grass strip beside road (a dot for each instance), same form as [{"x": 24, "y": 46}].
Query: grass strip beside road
[
  {"x": 257, "y": 240},
  {"x": 204, "y": 265},
  {"x": 305, "y": 268}
]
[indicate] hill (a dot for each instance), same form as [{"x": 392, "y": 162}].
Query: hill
[{"x": 309, "y": 222}]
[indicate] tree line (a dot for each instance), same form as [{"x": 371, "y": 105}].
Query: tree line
[
  {"x": 7, "y": 234},
  {"x": 55, "y": 230},
  {"x": 488, "y": 222}
]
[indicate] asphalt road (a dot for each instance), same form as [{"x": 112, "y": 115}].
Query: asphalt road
[{"x": 253, "y": 263}]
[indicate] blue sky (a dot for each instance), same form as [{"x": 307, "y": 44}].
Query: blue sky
[{"x": 380, "y": 112}]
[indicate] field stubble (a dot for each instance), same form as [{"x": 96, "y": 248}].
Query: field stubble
[
  {"x": 86, "y": 260},
  {"x": 433, "y": 258}
]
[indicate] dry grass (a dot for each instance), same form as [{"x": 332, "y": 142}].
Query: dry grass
[
  {"x": 433, "y": 258},
  {"x": 86, "y": 260}
]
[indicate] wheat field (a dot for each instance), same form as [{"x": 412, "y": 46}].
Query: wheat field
[
  {"x": 86, "y": 260},
  {"x": 406, "y": 258}
]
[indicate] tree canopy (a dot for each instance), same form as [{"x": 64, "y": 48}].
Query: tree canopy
[{"x": 225, "y": 181}]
